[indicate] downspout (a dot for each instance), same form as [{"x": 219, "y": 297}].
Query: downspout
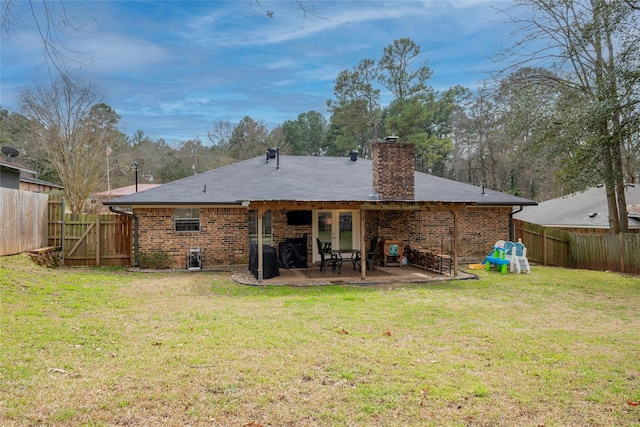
[
  {"x": 512, "y": 226},
  {"x": 135, "y": 232},
  {"x": 363, "y": 248}
]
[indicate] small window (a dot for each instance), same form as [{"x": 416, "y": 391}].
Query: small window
[{"x": 187, "y": 219}]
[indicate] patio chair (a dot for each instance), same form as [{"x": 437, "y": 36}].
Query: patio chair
[
  {"x": 370, "y": 256},
  {"x": 327, "y": 257},
  {"x": 520, "y": 257}
]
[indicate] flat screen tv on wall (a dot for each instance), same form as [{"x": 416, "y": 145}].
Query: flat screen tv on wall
[{"x": 299, "y": 218}]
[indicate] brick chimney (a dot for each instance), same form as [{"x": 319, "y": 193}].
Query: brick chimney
[{"x": 393, "y": 169}]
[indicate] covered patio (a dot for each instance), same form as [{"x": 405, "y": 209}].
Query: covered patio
[{"x": 312, "y": 276}]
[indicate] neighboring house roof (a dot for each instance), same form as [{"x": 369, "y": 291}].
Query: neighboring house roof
[
  {"x": 15, "y": 166},
  {"x": 303, "y": 178},
  {"x": 37, "y": 181},
  {"x": 587, "y": 209},
  {"x": 125, "y": 191}
]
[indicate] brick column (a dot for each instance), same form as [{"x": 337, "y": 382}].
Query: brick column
[{"x": 393, "y": 170}]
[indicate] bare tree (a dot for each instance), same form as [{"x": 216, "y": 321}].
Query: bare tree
[
  {"x": 592, "y": 48},
  {"x": 220, "y": 135},
  {"x": 481, "y": 142},
  {"x": 75, "y": 129},
  {"x": 305, "y": 8},
  {"x": 220, "y": 139},
  {"x": 56, "y": 25}
]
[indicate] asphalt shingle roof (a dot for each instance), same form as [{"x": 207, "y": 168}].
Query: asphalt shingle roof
[
  {"x": 587, "y": 209},
  {"x": 39, "y": 181},
  {"x": 15, "y": 166},
  {"x": 302, "y": 178}
]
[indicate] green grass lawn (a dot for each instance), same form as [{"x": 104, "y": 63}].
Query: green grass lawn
[{"x": 100, "y": 347}]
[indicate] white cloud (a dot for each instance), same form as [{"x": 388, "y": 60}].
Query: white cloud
[
  {"x": 115, "y": 53},
  {"x": 184, "y": 65}
]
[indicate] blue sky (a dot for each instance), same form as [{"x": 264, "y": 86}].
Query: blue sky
[{"x": 174, "y": 68}]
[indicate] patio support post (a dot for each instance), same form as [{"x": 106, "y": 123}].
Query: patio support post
[
  {"x": 261, "y": 211},
  {"x": 363, "y": 248},
  {"x": 454, "y": 211}
]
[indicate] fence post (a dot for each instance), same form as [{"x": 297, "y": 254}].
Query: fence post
[
  {"x": 62, "y": 236},
  {"x": 455, "y": 242},
  {"x": 98, "y": 241}
]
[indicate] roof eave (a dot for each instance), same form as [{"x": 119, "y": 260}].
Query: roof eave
[
  {"x": 18, "y": 168},
  {"x": 114, "y": 202}
]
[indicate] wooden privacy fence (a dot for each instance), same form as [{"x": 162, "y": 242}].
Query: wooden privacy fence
[
  {"x": 615, "y": 252},
  {"x": 23, "y": 221},
  {"x": 91, "y": 239},
  {"x": 548, "y": 246}
]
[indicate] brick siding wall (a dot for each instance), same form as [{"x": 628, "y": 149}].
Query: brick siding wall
[
  {"x": 478, "y": 229},
  {"x": 223, "y": 237},
  {"x": 283, "y": 231},
  {"x": 224, "y": 232}
]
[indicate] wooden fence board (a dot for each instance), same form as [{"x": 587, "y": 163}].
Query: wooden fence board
[
  {"x": 54, "y": 213},
  {"x": 632, "y": 253},
  {"x": 545, "y": 245},
  {"x": 23, "y": 220},
  {"x": 548, "y": 246}
]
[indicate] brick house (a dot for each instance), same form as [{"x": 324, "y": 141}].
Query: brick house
[{"x": 344, "y": 200}]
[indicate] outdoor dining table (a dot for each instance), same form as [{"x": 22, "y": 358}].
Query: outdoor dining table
[{"x": 354, "y": 255}]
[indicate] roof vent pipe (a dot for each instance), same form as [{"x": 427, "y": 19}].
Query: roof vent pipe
[
  {"x": 353, "y": 155},
  {"x": 274, "y": 153}
]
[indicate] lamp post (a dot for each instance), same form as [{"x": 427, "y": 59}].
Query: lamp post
[{"x": 135, "y": 167}]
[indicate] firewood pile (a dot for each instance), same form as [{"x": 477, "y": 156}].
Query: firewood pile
[
  {"x": 426, "y": 259},
  {"x": 47, "y": 257}
]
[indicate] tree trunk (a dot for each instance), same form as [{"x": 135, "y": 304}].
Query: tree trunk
[
  {"x": 623, "y": 214},
  {"x": 610, "y": 187}
]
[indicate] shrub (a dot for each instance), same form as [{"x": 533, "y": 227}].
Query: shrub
[{"x": 154, "y": 260}]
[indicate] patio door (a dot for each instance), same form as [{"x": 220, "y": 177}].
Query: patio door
[{"x": 339, "y": 227}]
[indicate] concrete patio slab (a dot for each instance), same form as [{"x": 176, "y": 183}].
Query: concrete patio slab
[{"x": 313, "y": 277}]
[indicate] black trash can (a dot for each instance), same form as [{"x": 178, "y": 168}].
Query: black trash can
[{"x": 269, "y": 261}]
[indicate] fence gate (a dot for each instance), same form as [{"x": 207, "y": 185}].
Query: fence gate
[{"x": 91, "y": 239}]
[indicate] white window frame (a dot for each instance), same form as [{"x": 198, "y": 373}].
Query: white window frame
[
  {"x": 186, "y": 220},
  {"x": 267, "y": 228}
]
